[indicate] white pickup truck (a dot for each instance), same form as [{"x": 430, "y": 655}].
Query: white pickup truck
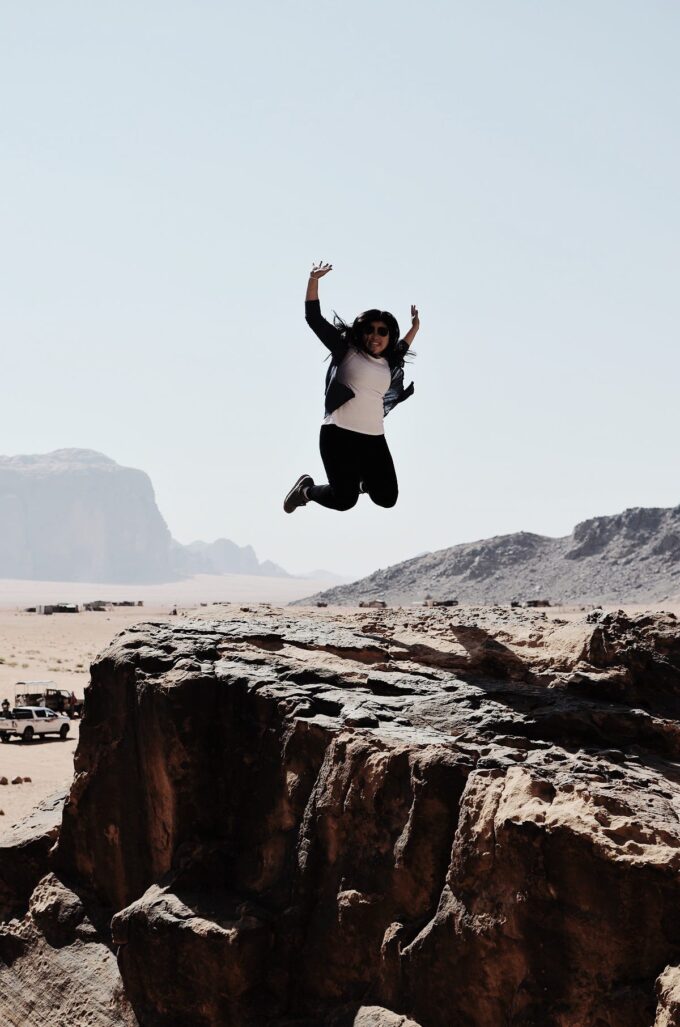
[{"x": 30, "y": 721}]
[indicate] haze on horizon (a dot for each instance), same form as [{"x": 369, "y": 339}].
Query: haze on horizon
[{"x": 170, "y": 171}]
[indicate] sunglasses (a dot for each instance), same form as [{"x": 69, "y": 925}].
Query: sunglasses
[{"x": 379, "y": 330}]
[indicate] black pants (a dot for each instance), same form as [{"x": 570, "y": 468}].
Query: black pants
[{"x": 350, "y": 459}]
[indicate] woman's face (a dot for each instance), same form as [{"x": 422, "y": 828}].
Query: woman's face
[{"x": 376, "y": 337}]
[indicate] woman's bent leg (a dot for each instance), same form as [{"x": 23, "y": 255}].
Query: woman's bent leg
[
  {"x": 378, "y": 473},
  {"x": 339, "y": 454}
]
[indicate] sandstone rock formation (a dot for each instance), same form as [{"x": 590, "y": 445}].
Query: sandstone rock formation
[
  {"x": 55, "y": 967},
  {"x": 632, "y": 557},
  {"x": 24, "y": 850},
  {"x": 433, "y": 817},
  {"x": 77, "y": 515}
]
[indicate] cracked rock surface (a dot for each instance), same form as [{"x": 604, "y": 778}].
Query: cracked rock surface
[{"x": 431, "y": 818}]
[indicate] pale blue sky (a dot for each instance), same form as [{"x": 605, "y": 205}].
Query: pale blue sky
[{"x": 169, "y": 170}]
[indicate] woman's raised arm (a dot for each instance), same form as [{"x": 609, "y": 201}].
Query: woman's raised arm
[
  {"x": 328, "y": 333},
  {"x": 317, "y": 272},
  {"x": 415, "y": 325}
]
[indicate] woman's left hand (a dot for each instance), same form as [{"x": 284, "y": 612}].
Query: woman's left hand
[{"x": 415, "y": 320}]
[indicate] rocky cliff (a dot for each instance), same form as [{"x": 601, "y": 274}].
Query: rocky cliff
[
  {"x": 400, "y": 818},
  {"x": 630, "y": 557},
  {"x": 77, "y": 515}
]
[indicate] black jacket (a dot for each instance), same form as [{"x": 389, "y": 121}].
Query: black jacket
[{"x": 334, "y": 340}]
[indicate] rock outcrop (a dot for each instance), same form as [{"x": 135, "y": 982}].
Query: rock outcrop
[
  {"x": 632, "y": 557},
  {"x": 55, "y": 966},
  {"x": 24, "y": 850},
  {"x": 405, "y": 818}
]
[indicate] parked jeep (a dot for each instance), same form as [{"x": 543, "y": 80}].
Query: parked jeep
[
  {"x": 30, "y": 721},
  {"x": 46, "y": 693}
]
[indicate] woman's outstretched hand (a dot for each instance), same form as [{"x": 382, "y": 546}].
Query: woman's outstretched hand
[
  {"x": 415, "y": 325},
  {"x": 319, "y": 270}
]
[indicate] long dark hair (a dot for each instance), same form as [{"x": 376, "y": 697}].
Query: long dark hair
[{"x": 354, "y": 333}]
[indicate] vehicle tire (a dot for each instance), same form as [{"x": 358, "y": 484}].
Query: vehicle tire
[
  {"x": 27, "y": 734},
  {"x": 63, "y": 732},
  {"x": 4, "y": 738}
]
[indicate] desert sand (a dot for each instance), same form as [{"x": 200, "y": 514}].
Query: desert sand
[{"x": 210, "y": 588}]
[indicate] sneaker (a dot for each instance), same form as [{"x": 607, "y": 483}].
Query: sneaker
[{"x": 295, "y": 497}]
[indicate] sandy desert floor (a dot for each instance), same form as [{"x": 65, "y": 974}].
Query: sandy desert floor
[
  {"x": 61, "y": 648},
  {"x": 212, "y": 588},
  {"x": 48, "y": 764}
]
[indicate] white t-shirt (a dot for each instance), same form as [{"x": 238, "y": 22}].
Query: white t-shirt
[{"x": 369, "y": 378}]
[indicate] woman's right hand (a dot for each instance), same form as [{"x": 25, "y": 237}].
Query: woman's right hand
[{"x": 319, "y": 270}]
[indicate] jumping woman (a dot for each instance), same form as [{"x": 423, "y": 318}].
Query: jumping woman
[{"x": 365, "y": 380}]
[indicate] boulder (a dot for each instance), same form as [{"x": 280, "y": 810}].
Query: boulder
[
  {"x": 56, "y": 969},
  {"x": 24, "y": 852},
  {"x": 58, "y": 912},
  {"x": 668, "y": 991}
]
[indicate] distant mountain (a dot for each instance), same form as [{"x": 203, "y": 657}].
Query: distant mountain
[
  {"x": 632, "y": 556},
  {"x": 77, "y": 515},
  {"x": 223, "y": 557}
]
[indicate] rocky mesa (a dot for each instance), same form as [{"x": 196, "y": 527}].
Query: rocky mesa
[
  {"x": 434, "y": 817},
  {"x": 77, "y": 515}
]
